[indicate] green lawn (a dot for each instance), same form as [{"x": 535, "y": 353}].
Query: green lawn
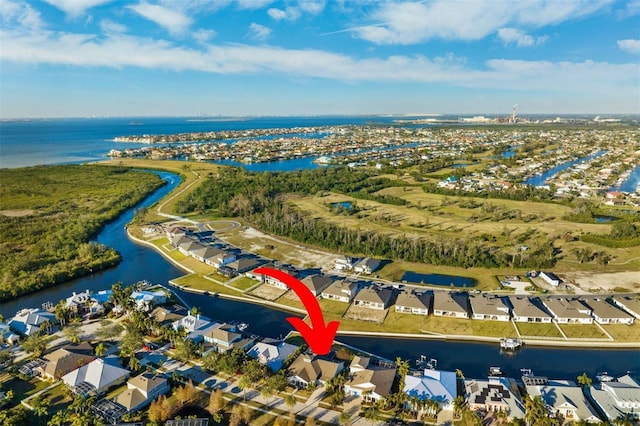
[
  {"x": 57, "y": 398},
  {"x": 198, "y": 282},
  {"x": 624, "y": 333},
  {"x": 582, "y": 331},
  {"x": 538, "y": 330},
  {"x": 243, "y": 284}
]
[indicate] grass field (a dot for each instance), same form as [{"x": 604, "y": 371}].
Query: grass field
[
  {"x": 582, "y": 331},
  {"x": 538, "y": 330},
  {"x": 624, "y": 333},
  {"x": 198, "y": 282},
  {"x": 243, "y": 283}
]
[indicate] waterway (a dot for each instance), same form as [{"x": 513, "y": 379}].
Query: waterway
[
  {"x": 539, "y": 180},
  {"x": 632, "y": 184}
]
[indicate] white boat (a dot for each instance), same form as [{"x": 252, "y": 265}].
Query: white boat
[
  {"x": 510, "y": 344},
  {"x": 495, "y": 371},
  {"x": 323, "y": 160},
  {"x": 604, "y": 377}
]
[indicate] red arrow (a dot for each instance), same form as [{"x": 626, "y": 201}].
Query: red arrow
[{"x": 319, "y": 336}]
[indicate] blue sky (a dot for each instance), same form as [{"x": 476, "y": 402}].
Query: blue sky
[{"x": 258, "y": 57}]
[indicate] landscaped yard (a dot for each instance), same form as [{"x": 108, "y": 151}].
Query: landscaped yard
[
  {"x": 582, "y": 331},
  {"x": 538, "y": 330},
  {"x": 198, "y": 282},
  {"x": 243, "y": 283},
  {"x": 624, "y": 333}
]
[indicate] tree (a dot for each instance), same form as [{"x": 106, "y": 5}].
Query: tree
[
  {"x": 311, "y": 421},
  {"x": 460, "y": 405},
  {"x": 72, "y": 332},
  {"x": 290, "y": 401},
  {"x": 372, "y": 414},
  {"x": 195, "y": 310},
  {"x": 40, "y": 407},
  {"x": 34, "y": 345},
  {"x": 344, "y": 418},
  {"x": 236, "y": 416},
  {"x": 584, "y": 380},
  {"x": 243, "y": 384},
  {"x": 100, "y": 349},
  {"x": 266, "y": 392},
  {"x": 134, "y": 363},
  {"x": 403, "y": 370},
  {"x": 216, "y": 402}
]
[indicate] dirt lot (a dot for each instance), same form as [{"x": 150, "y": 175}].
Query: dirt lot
[
  {"x": 267, "y": 292},
  {"x": 606, "y": 282}
]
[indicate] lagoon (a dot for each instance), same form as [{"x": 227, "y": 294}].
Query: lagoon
[
  {"x": 438, "y": 279},
  {"x": 539, "y": 180}
]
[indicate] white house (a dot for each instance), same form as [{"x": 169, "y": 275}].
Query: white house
[
  {"x": 141, "y": 390},
  {"x": 433, "y": 384},
  {"x": 565, "y": 398},
  {"x": 450, "y": 304},
  {"x": 525, "y": 311},
  {"x": 374, "y": 297},
  {"x": 605, "y": 313},
  {"x": 568, "y": 311},
  {"x": 78, "y": 303},
  {"x": 550, "y": 278},
  {"x": 311, "y": 369},
  {"x": 495, "y": 394},
  {"x": 341, "y": 291},
  {"x": 317, "y": 283},
  {"x": 27, "y": 321},
  {"x": 224, "y": 338},
  {"x": 272, "y": 355},
  {"x": 489, "y": 307},
  {"x": 146, "y": 300},
  {"x": 631, "y": 304},
  {"x": 371, "y": 383},
  {"x": 411, "y": 302},
  {"x": 367, "y": 265},
  {"x": 619, "y": 398},
  {"x": 192, "y": 323},
  {"x": 96, "y": 376},
  {"x": 344, "y": 263}
]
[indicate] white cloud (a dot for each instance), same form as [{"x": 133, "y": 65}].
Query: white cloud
[
  {"x": 174, "y": 21},
  {"x": 412, "y": 22},
  {"x": 288, "y": 14},
  {"x": 629, "y": 45},
  {"x": 202, "y": 35},
  {"x": 259, "y": 32},
  {"x": 313, "y": 7},
  {"x": 109, "y": 27},
  {"x": 75, "y": 8},
  {"x": 21, "y": 15},
  {"x": 122, "y": 50},
  {"x": 519, "y": 38}
]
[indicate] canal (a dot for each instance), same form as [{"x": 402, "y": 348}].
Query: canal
[
  {"x": 538, "y": 180},
  {"x": 474, "y": 359}
]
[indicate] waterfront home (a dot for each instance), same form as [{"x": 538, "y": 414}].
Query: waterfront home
[
  {"x": 550, "y": 278},
  {"x": 66, "y": 359},
  {"x": 344, "y": 263},
  {"x": 605, "y": 313},
  {"x": 495, "y": 394},
  {"x": 102, "y": 297},
  {"x": 141, "y": 390},
  {"x": 489, "y": 307},
  {"x": 368, "y": 265},
  {"x": 225, "y": 271},
  {"x": 188, "y": 245},
  {"x": 564, "y": 398},
  {"x": 145, "y": 300},
  {"x": 374, "y": 297},
  {"x": 27, "y": 321},
  {"x": 78, "y": 303},
  {"x": 568, "y": 311},
  {"x": 372, "y": 383},
  {"x": 273, "y": 355},
  {"x": 245, "y": 264},
  {"x": 96, "y": 377},
  {"x": 340, "y": 291},
  {"x": 630, "y": 304},
  {"x": 224, "y": 338},
  {"x": 176, "y": 232},
  {"x": 316, "y": 283},
  {"x": 178, "y": 241},
  {"x": 168, "y": 315},
  {"x": 213, "y": 256},
  {"x": 6, "y": 335},
  {"x": 435, "y": 385},
  {"x": 309, "y": 368},
  {"x": 287, "y": 269},
  {"x": 524, "y": 310},
  {"x": 191, "y": 323},
  {"x": 412, "y": 302},
  {"x": 450, "y": 304},
  {"x": 617, "y": 398}
]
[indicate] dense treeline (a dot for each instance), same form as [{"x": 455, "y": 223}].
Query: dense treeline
[
  {"x": 623, "y": 234},
  {"x": 516, "y": 193},
  {"x": 259, "y": 198},
  {"x": 49, "y": 215}
]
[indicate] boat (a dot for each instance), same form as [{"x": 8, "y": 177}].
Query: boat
[
  {"x": 603, "y": 377},
  {"x": 495, "y": 371},
  {"x": 323, "y": 160},
  {"x": 510, "y": 344}
]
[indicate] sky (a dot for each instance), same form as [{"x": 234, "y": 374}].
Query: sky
[{"x": 82, "y": 58}]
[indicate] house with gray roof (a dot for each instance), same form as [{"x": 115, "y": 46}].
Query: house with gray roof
[
  {"x": 374, "y": 297},
  {"x": 630, "y": 303},
  {"x": 617, "y": 398},
  {"x": 287, "y": 269},
  {"x": 223, "y": 338},
  {"x": 344, "y": 263},
  {"x": 605, "y": 313},
  {"x": 450, "y": 304},
  {"x": 495, "y": 394},
  {"x": 489, "y": 307},
  {"x": 245, "y": 264},
  {"x": 524, "y": 310},
  {"x": 96, "y": 377},
  {"x": 368, "y": 265},
  {"x": 341, "y": 291},
  {"x": 371, "y": 383},
  {"x": 565, "y": 398},
  {"x": 566, "y": 310},
  {"x": 412, "y": 302},
  {"x": 78, "y": 303},
  {"x": 317, "y": 283},
  {"x": 272, "y": 355},
  {"x": 312, "y": 369},
  {"x": 189, "y": 245},
  {"x": 27, "y": 321}
]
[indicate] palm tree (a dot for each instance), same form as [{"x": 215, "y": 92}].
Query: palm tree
[
  {"x": 584, "y": 380},
  {"x": 134, "y": 363},
  {"x": 290, "y": 401},
  {"x": 372, "y": 414},
  {"x": 101, "y": 349},
  {"x": 266, "y": 392},
  {"x": 344, "y": 418},
  {"x": 243, "y": 384},
  {"x": 40, "y": 406},
  {"x": 460, "y": 405},
  {"x": 195, "y": 311}
]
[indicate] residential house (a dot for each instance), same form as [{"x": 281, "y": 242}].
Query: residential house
[
  {"x": 411, "y": 302},
  {"x": 6, "y": 335},
  {"x": 367, "y": 265},
  {"x": 617, "y": 398},
  {"x": 66, "y": 359},
  {"x": 272, "y": 355},
  {"x": 146, "y": 300},
  {"x": 631, "y": 304},
  {"x": 372, "y": 382},
  {"x": 164, "y": 315},
  {"x": 213, "y": 256},
  {"x": 374, "y": 297},
  {"x": 287, "y": 269},
  {"x": 489, "y": 307},
  {"x": 101, "y": 296},
  {"x": 565, "y": 398},
  {"x": 341, "y": 291},
  {"x": 605, "y": 313},
  {"x": 244, "y": 264},
  {"x": 308, "y": 368},
  {"x": 316, "y": 283},
  {"x": 178, "y": 241},
  {"x": 194, "y": 326},
  {"x": 450, "y": 304},
  {"x": 27, "y": 321},
  {"x": 96, "y": 377},
  {"x": 524, "y": 310},
  {"x": 224, "y": 338},
  {"x": 568, "y": 311},
  {"x": 435, "y": 385},
  {"x": 78, "y": 303},
  {"x": 344, "y": 263},
  {"x": 174, "y": 232},
  {"x": 550, "y": 278},
  {"x": 495, "y": 394},
  {"x": 188, "y": 245},
  {"x": 141, "y": 390}
]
